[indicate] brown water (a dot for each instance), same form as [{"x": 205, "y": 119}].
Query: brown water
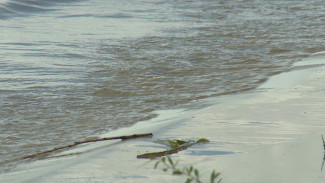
[{"x": 69, "y": 71}]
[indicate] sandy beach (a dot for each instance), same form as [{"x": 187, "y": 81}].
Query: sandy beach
[{"x": 272, "y": 134}]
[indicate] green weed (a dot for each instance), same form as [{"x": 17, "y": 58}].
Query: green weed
[{"x": 192, "y": 174}]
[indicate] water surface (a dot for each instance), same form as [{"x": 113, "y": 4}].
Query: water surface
[{"x": 72, "y": 70}]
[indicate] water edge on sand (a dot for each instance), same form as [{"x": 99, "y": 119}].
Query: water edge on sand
[{"x": 272, "y": 134}]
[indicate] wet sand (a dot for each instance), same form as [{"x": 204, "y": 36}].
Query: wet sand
[{"x": 272, "y": 134}]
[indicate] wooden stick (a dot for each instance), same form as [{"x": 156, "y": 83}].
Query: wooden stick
[
  {"x": 171, "y": 151},
  {"x": 162, "y": 153},
  {"x": 83, "y": 142}
]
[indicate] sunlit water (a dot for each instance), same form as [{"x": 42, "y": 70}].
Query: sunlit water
[{"x": 70, "y": 70}]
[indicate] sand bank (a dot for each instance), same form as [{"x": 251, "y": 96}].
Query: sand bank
[{"x": 272, "y": 134}]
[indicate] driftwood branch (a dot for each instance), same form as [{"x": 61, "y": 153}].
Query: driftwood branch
[
  {"x": 82, "y": 142},
  {"x": 175, "y": 149},
  {"x": 162, "y": 153}
]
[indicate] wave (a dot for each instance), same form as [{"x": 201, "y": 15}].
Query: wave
[{"x": 13, "y": 8}]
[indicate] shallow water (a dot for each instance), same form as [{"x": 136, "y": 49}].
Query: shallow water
[{"x": 73, "y": 70}]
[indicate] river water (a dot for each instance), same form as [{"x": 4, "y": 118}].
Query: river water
[{"x": 71, "y": 70}]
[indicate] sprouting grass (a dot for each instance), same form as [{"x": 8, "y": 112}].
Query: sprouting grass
[{"x": 192, "y": 174}]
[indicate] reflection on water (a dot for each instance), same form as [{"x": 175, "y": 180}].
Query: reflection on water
[
  {"x": 323, "y": 162},
  {"x": 209, "y": 153},
  {"x": 324, "y": 153}
]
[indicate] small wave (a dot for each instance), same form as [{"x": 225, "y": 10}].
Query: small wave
[
  {"x": 117, "y": 15},
  {"x": 12, "y": 8},
  {"x": 278, "y": 50},
  {"x": 114, "y": 15},
  {"x": 107, "y": 92}
]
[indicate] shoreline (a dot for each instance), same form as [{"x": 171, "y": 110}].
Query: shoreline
[{"x": 272, "y": 134}]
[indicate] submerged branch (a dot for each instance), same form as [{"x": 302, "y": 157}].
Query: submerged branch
[
  {"x": 82, "y": 142},
  {"x": 176, "y": 146},
  {"x": 162, "y": 153}
]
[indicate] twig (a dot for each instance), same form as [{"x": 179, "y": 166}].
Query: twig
[
  {"x": 162, "y": 153},
  {"x": 82, "y": 142},
  {"x": 175, "y": 148}
]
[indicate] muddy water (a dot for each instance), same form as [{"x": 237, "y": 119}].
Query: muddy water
[{"x": 69, "y": 71}]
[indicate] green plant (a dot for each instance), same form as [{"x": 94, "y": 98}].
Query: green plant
[{"x": 192, "y": 173}]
